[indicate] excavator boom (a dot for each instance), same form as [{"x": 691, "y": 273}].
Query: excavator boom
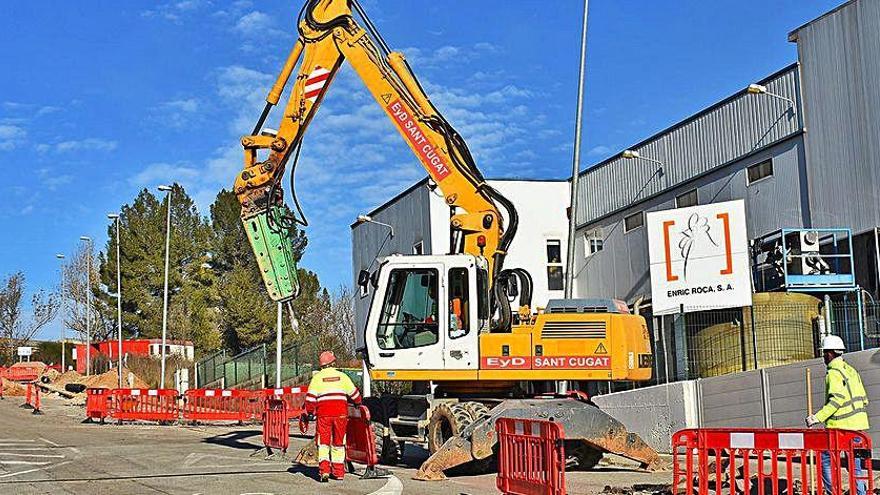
[{"x": 329, "y": 35}]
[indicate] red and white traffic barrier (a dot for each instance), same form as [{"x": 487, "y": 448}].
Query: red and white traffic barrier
[
  {"x": 140, "y": 404},
  {"x": 721, "y": 460}
]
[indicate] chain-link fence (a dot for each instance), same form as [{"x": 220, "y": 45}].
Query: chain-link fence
[
  {"x": 255, "y": 367},
  {"x": 710, "y": 343}
]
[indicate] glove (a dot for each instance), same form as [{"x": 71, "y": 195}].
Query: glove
[{"x": 811, "y": 421}]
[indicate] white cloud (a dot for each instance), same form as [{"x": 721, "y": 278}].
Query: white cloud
[
  {"x": 176, "y": 113},
  {"x": 11, "y": 136},
  {"x": 87, "y": 144},
  {"x": 255, "y": 23},
  {"x": 175, "y": 11},
  {"x": 600, "y": 150}
]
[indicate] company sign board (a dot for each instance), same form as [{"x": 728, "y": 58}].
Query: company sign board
[{"x": 699, "y": 258}]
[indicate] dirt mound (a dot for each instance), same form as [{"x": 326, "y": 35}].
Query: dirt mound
[
  {"x": 104, "y": 380},
  {"x": 50, "y": 374},
  {"x": 13, "y": 389},
  {"x": 67, "y": 377},
  {"x": 110, "y": 380}
]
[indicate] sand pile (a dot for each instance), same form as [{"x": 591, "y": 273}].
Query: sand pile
[
  {"x": 13, "y": 389},
  {"x": 67, "y": 377},
  {"x": 51, "y": 374}
]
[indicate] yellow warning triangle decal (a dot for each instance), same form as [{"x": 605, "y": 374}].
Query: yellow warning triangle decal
[
  {"x": 601, "y": 349},
  {"x": 386, "y": 97}
]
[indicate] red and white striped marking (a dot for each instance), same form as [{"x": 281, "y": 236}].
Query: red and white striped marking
[{"x": 315, "y": 83}]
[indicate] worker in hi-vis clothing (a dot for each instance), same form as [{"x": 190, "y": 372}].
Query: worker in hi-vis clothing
[
  {"x": 845, "y": 406},
  {"x": 329, "y": 393}
]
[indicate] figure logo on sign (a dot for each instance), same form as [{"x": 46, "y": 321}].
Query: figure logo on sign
[
  {"x": 697, "y": 241},
  {"x": 698, "y": 230}
]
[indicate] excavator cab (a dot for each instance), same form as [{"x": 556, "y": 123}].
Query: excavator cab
[{"x": 426, "y": 317}]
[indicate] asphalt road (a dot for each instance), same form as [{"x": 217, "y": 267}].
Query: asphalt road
[{"x": 56, "y": 453}]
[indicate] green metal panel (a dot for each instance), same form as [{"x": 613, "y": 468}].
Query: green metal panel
[{"x": 274, "y": 254}]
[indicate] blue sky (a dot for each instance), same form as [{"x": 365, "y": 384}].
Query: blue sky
[{"x": 100, "y": 99}]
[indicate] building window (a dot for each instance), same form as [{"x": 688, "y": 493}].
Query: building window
[
  {"x": 418, "y": 248},
  {"x": 687, "y": 199},
  {"x": 593, "y": 242},
  {"x": 760, "y": 171},
  {"x": 554, "y": 264},
  {"x": 634, "y": 221}
]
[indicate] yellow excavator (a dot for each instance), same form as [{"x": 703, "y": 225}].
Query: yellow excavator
[{"x": 443, "y": 322}]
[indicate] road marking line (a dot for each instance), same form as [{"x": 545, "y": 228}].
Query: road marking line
[
  {"x": 47, "y": 456},
  {"x": 17, "y": 473},
  {"x": 49, "y": 442},
  {"x": 16, "y": 440},
  {"x": 392, "y": 487},
  {"x": 29, "y": 463}
]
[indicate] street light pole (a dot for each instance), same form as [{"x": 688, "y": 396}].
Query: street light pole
[
  {"x": 575, "y": 167},
  {"x": 63, "y": 360},
  {"x": 88, "y": 241},
  {"x": 168, "y": 190},
  {"x": 115, "y": 218}
]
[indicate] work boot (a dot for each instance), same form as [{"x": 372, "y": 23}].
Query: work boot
[
  {"x": 337, "y": 478},
  {"x": 324, "y": 478}
]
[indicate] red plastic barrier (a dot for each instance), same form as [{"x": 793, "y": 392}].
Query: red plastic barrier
[
  {"x": 531, "y": 458},
  {"x": 141, "y": 404},
  {"x": 222, "y": 405},
  {"x": 295, "y": 397},
  {"x": 22, "y": 374},
  {"x": 98, "y": 403},
  {"x": 722, "y": 460},
  {"x": 276, "y": 425},
  {"x": 360, "y": 445},
  {"x": 32, "y": 398}
]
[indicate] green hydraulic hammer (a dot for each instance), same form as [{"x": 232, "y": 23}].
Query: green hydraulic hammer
[{"x": 274, "y": 253}]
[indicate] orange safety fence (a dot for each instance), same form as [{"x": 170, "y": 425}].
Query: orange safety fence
[
  {"x": 140, "y": 404},
  {"x": 294, "y": 397},
  {"x": 771, "y": 461},
  {"x": 32, "y": 398},
  {"x": 98, "y": 401},
  {"x": 276, "y": 425},
  {"x": 531, "y": 457},
  {"x": 222, "y": 405}
]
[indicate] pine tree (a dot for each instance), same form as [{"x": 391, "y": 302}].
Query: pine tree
[{"x": 191, "y": 283}]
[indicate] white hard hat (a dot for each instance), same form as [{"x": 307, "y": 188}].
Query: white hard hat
[{"x": 832, "y": 343}]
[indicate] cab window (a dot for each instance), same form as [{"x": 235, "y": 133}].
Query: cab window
[
  {"x": 409, "y": 312},
  {"x": 483, "y": 307},
  {"x": 459, "y": 305}
]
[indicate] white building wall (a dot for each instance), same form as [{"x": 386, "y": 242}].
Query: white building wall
[{"x": 421, "y": 214}]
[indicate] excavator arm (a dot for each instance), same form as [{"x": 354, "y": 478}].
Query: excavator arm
[{"x": 329, "y": 35}]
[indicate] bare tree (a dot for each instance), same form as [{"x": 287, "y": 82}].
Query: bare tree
[
  {"x": 74, "y": 287},
  {"x": 342, "y": 321},
  {"x": 15, "y": 329}
]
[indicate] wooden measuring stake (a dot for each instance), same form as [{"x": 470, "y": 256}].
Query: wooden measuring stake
[{"x": 809, "y": 375}]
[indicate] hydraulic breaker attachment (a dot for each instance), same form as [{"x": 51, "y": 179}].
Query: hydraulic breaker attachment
[
  {"x": 581, "y": 421},
  {"x": 274, "y": 253}
]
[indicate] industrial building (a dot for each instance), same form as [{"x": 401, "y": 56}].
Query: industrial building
[
  {"x": 800, "y": 147},
  {"x": 420, "y": 222}
]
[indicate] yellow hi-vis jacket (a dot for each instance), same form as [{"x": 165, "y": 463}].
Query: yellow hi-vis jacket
[
  {"x": 846, "y": 401},
  {"x": 329, "y": 393}
]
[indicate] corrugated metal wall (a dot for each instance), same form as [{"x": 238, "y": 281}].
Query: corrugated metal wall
[
  {"x": 840, "y": 63},
  {"x": 621, "y": 269},
  {"x": 725, "y": 132},
  {"x": 410, "y": 216}
]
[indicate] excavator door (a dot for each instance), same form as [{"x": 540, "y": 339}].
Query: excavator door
[{"x": 425, "y": 316}]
